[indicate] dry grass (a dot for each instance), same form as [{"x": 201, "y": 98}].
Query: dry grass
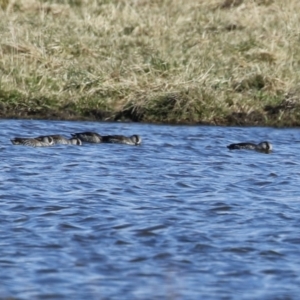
[{"x": 177, "y": 61}]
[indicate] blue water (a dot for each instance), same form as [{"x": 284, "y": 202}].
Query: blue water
[{"x": 179, "y": 217}]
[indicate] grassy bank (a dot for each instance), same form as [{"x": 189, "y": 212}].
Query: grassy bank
[{"x": 225, "y": 62}]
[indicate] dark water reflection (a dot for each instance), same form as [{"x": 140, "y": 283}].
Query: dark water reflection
[{"x": 180, "y": 217}]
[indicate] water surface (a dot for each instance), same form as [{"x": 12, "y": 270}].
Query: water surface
[{"x": 179, "y": 217}]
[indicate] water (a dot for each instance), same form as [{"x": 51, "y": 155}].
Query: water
[{"x": 179, "y": 217}]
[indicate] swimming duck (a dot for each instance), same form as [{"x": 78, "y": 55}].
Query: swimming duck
[
  {"x": 89, "y": 137},
  {"x": 261, "y": 147},
  {"x": 32, "y": 142},
  {"x": 120, "y": 139},
  {"x": 58, "y": 139}
]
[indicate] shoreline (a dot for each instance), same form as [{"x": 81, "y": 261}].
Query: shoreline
[{"x": 279, "y": 119}]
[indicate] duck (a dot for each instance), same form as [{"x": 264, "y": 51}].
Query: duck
[
  {"x": 33, "y": 142},
  {"x": 120, "y": 139},
  {"x": 261, "y": 147},
  {"x": 88, "y": 136},
  {"x": 58, "y": 139}
]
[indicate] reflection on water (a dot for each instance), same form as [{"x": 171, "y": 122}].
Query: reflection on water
[{"x": 179, "y": 217}]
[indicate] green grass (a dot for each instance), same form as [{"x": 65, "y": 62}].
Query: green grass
[{"x": 223, "y": 62}]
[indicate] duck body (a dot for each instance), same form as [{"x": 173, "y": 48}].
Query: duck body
[
  {"x": 261, "y": 147},
  {"x": 33, "y": 142},
  {"x": 120, "y": 139},
  {"x": 58, "y": 139},
  {"x": 88, "y": 137}
]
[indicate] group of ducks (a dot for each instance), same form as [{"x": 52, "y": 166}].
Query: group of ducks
[
  {"x": 76, "y": 139},
  {"x": 93, "y": 137}
]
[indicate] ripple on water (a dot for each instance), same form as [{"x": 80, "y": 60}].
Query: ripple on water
[{"x": 179, "y": 217}]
